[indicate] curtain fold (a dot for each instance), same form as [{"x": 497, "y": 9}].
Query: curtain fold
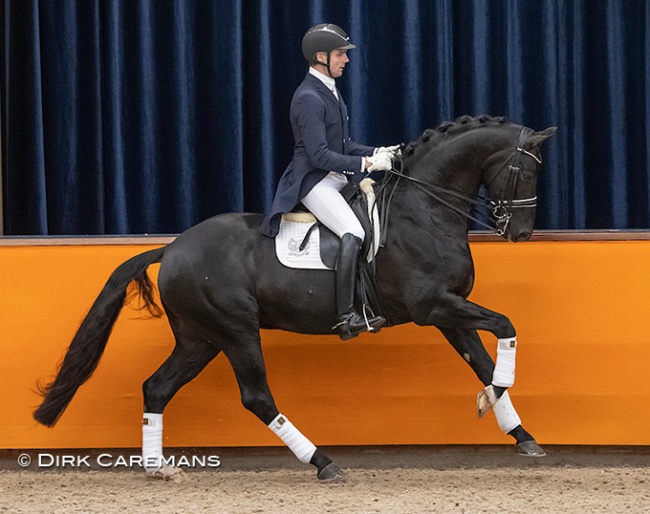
[{"x": 142, "y": 116}]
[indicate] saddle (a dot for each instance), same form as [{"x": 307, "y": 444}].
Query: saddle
[{"x": 304, "y": 243}]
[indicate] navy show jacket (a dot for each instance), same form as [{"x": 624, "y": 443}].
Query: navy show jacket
[{"x": 322, "y": 144}]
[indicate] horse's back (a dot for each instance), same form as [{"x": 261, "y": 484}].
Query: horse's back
[
  {"x": 224, "y": 266},
  {"x": 215, "y": 239}
]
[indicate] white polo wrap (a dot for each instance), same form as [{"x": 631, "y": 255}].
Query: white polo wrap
[
  {"x": 504, "y": 371},
  {"x": 152, "y": 452},
  {"x": 506, "y": 415},
  {"x": 302, "y": 447}
]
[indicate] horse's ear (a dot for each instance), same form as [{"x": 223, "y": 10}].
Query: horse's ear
[{"x": 537, "y": 138}]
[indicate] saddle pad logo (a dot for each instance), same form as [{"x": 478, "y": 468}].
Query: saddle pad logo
[
  {"x": 287, "y": 246},
  {"x": 293, "y": 246}
]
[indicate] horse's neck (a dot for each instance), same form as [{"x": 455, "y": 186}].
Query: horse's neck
[
  {"x": 419, "y": 225},
  {"x": 455, "y": 164},
  {"x": 442, "y": 180},
  {"x": 423, "y": 216}
]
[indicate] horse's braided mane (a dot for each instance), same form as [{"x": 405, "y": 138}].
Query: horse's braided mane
[{"x": 449, "y": 129}]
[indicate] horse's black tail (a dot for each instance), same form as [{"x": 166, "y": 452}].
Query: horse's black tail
[{"x": 89, "y": 342}]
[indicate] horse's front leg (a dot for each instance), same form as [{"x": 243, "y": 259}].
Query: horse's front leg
[
  {"x": 452, "y": 311},
  {"x": 469, "y": 345}
]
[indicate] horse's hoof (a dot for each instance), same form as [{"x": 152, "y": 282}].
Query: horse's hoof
[
  {"x": 331, "y": 474},
  {"x": 530, "y": 449},
  {"x": 169, "y": 473},
  {"x": 485, "y": 400}
]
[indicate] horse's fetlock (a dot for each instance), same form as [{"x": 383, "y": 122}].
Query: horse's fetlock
[
  {"x": 498, "y": 391},
  {"x": 319, "y": 460}
]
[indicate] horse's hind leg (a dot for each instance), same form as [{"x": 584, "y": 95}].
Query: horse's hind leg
[
  {"x": 248, "y": 364},
  {"x": 469, "y": 345},
  {"x": 185, "y": 362}
]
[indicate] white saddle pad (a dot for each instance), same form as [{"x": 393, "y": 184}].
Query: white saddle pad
[
  {"x": 294, "y": 227},
  {"x": 287, "y": 245}
]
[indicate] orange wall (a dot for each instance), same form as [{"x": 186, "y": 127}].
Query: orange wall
[{"x": 580, "y": 309}]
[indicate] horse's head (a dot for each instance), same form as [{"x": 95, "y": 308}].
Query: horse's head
[
  {"x": 511, "y": 179},
  {"x": 449, "y": 164}
]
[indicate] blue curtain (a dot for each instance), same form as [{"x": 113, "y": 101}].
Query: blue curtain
[{"x": 148, "y": 116}]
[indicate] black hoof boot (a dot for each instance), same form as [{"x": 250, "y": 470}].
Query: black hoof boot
[{"x": 350, "y": 325}]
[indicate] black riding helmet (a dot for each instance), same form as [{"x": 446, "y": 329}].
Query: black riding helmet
[{"x": 325, "y": 37}]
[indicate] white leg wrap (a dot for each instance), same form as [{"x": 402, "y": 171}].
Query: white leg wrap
[
  {"x": 506, "y": 415},
  {"x": 504, "y": 371},
  {"x": 152, "y": 431},
  {"x": 302, "y": 447}
]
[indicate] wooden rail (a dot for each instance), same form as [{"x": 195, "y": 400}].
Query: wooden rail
[{"x": 474, "y": 236}]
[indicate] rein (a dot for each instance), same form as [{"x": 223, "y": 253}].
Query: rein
[{"x": 501, "y": 209}]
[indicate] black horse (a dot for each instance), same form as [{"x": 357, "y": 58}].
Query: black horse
[{"x": 220, "y": 282}]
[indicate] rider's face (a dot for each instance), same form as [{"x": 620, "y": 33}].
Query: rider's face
[{"x": 338, "y": 60}]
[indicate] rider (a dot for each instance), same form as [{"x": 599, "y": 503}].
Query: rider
[{"x": 324, "y": 160}]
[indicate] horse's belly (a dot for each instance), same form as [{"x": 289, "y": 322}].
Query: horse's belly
[{"x": 298, "y": 300}]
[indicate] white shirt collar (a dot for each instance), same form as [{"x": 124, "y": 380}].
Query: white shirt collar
[{"x": 328, "y": 81}]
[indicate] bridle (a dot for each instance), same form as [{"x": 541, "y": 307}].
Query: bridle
[{"x": 501, "y": 209}]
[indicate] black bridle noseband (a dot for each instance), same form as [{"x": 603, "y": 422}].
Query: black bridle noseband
[{"x": 501, "y": 209}]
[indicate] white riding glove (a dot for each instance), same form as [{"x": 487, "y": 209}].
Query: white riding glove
[
  {"x": 386, "y": 149},
  {"x": 380, "y": 162}
]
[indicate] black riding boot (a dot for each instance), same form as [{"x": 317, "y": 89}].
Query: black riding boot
[{"x": 351, "y": 323}]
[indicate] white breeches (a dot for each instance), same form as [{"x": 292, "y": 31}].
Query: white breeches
[{"x": 326, "y": 203}]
